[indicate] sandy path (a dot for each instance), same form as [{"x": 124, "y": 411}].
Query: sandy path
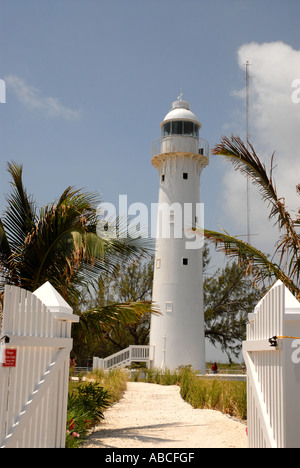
[{"x": 155, "y": 416}]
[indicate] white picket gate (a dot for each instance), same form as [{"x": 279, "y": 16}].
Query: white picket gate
[
  {"x": 33, "y": 394},
  {"x": 271, "y": 354}
]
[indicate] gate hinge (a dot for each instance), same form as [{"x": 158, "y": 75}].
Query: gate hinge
[{"x": 6, "y": 339}]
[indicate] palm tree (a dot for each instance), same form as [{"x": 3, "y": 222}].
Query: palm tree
[
  {"x": 285, "y": 262},
  {"x": 59, "y": 244}
]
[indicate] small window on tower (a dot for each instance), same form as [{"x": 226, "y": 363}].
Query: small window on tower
[
  {"x": 169, "y": 307},
  {"x": 185, "y": 261},
  {"x": 163, "y": 178},
  {"x": 185, "y": 175},
  {"x": 158, "y": 263}
]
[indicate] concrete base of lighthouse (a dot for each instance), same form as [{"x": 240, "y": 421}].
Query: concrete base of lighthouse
[{"x": 169, "y": 353}]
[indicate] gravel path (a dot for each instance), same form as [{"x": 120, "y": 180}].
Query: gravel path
[{"x": 155, "y": 416}]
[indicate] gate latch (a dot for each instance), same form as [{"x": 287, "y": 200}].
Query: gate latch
[{"x": 273, "y": 342}]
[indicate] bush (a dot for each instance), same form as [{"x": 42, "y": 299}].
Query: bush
[
  {"x": 93, "y": 399},
  {"x": 114, "y": 381},
  {"x": 87, "y": 401},
  {"x": 85, "y": 409},
  {"x": 157, "y": 376},
  {"x": 229, "y": 397},
  {"x": 78, "y": 425}
]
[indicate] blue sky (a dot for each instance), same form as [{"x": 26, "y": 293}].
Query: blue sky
[{"x": 89, "y": 81}]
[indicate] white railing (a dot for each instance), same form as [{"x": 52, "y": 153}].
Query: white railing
[
  {"x": 120, "y": 358},
  {"x": 127, "y": 356},
  {"x": 180, "y": 143}
]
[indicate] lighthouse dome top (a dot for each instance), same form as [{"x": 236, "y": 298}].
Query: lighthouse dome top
[{"x": 181, "y": 111}]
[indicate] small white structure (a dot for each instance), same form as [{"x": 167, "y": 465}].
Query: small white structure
[
  {"x": 272, "y": 357},
  {"x": 177, "y": 335}
]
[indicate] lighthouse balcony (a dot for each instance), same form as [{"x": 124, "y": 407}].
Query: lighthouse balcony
[{"x": 180, "y": 144}]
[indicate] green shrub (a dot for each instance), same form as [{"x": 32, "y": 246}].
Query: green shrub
[
  {"x": 93, "y": 399},
  {"x": 229, "y": 397},
  {"x": 85, "y": 409},
  {"x": 215, "y": 394},
  {"x": 87, "y": 402},
  {"x": 114, "y": 381},
  {"x": 78, "y": 425}
]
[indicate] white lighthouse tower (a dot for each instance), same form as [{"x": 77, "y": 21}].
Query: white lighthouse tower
[{"x": 177, "y": 335}]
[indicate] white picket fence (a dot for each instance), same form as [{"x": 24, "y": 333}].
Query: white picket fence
[
  {"x": 134, "y": 353},
  {"x": 271, "y": 354},
  {"x": 33, "y": 394}
]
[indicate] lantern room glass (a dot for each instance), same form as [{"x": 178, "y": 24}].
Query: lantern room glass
[{"x": 179, "y": 127}]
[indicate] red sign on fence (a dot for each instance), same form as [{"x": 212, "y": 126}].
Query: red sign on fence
[{"x": 9, "y": 357}]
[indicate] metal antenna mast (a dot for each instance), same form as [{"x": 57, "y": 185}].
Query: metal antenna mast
[{"x": 247, "y": 145}]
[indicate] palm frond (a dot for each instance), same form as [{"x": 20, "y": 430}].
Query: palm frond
[
  {"x": 6, "y": 270},
  {"x": 253, "y": 260},
  {"x": 20, "y": 216},
  {"x": 248, "y": 163},
  {"x": 102, "y": 319},
  {"x": 61, "y": 244},
  {"x": 42, "y": 248},
  {"x": 5, "y": 250}
]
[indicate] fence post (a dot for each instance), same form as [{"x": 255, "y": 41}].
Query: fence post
[
  {"x": 291, "y": 371},
  {"x": 98, "y": 363}
]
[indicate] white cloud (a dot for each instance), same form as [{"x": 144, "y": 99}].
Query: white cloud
[
  {"x": 32, "y": 99},
  {"x": 274, "y": 125}
]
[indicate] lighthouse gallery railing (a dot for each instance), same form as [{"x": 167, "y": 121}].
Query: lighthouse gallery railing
[{"x": 184, "y": 143}]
